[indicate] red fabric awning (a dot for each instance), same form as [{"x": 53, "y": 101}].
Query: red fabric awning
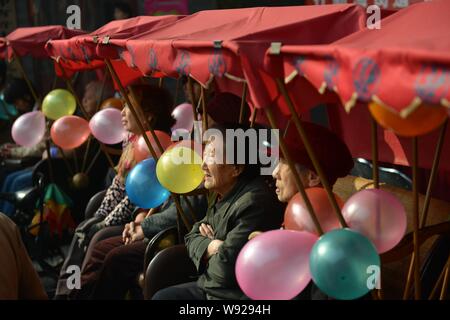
[
  {"x": 79, "y": 53},
  {"x": 400, "y": 66},
  {"x": 228, "y": 46},
  {"x": 403, "y": 64},
  {"x": 32, "y": 40}
]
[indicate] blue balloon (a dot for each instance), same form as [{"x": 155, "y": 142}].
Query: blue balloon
[
  {"x": 142, "y": 186},
  {"x": 344, "y": 264}
]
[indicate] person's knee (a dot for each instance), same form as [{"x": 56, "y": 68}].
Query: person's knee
[{"x": 114, "y": 258}]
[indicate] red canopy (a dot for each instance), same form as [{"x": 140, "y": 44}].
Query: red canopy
[
  {"x": 78, "y": 53},
  {"x": 32, "y": 40},
  {"x": 404, "y": 63},
  {"x": 224, "y": 44},
  {"x": 401, "y": 65}
]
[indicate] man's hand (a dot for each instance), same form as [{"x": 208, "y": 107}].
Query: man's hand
[
  {"x": 207, "y": 231},
  {"x": 137, "y": 234},
  {"x": 126, "y": 234},
  {"x": 213, "y": 248}
]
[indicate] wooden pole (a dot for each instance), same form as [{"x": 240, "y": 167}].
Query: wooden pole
[
  {"x": 297, "y": 179},
  {"x": 375, "y": 172},
  {"x": 192, "y": 96},
  {"x": 444, "y": 284},
  {"x": 439, "y": 280},
  {"x": 83, "y": 165},
  {"x": 142, "y": 129},
  {"x": 27, "y": 79},
  {"x": 243, "y": 102},
  {"x": 254, "y": 114},
  {"x": 434, "y": 170},
  {"x": 177, "y": 90},
  {"x": 416, "y": 220},
  {"x": 311, "y": 153},
  {"x": 423, "y": 221},
  {"x": 204, "y": 115},
  {"x": 100, "y": 99}
]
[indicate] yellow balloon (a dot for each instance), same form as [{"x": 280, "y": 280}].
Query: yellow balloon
[
  {"x": 58, "y": 103},
  {"x": 179, "y": 170}
]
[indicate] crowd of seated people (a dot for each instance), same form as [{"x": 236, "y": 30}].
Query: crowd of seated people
[{"x": 237, "y": 204}]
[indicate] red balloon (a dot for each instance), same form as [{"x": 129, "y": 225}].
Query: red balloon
[
  {"x": 297, "y": 217},
  {"x": 70, "y": 132},
  {"x": 141, "y": 150}
]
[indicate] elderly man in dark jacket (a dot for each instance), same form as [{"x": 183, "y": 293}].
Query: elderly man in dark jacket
[{"x": 240, "y": 202}]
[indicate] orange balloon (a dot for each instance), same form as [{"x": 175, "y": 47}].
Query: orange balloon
[
  {"x": 297, "y": 217},
  {"x": 112, "y": 103},
  {"x": 70, "y": 132},
  {"x": 421, "y": 121},
  {"x": 141, "y": 150}
]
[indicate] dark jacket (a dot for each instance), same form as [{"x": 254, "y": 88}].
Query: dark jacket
[
  {"x": 248, "y": 207},
  {"x": 167, "y": 217}
]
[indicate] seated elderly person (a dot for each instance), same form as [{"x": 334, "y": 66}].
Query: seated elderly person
[
  {"x": 117, "y": 259},
  {"x": 240, "y": 202},
  {"x": 334, "y": 158},
  {"x": 331, "y": 151}
]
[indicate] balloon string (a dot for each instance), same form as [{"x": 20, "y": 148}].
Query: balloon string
[
  {"x": 177, "y": 89},
  {"x": 86, "y": 152},
  {"x": 66, "y": 161},
  {"x": 100, "y": 98},
  {"x": 75, "y": 159},
  {"x": 133, "y": 110},
  {"x": 93, "y": 161}
]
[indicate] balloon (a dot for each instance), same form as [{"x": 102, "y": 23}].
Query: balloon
[
  {"x": 142, "y": 187},
  {"x": 80, "y": 180},
  {"x": 112, "y": 103},
  {"x": 29, "y": 129},
  {"x": 296, "y": 216},
  {"x": 179, "y": 169},
  {"x": 275, "y": 264},
  {"x": 70, "y": 132},
  {"x": 378, "y": 215},
  {"x": 106, "y": 126},
  {"x": 344, "y": 264},
  {"x": 141, "y": 150},
  {"x": 185, "y": 117},
  {"x": 421, "y": 121},
  {"x": 58, "y": 103}
]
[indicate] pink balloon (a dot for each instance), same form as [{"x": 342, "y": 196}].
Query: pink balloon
[
  {"x": 106, "y": 126},
  {"x": 141, "y": 151},
  {"x": 184, "y": 116},
  {"x": 275, "y": 264},
  {"x": 70, "y": 132},
  {"x": 29, "y": 129},
  {"x": 378, "y": 215}
]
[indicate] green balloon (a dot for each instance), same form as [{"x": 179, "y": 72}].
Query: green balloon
[
  {"x": 344, "y": 264},
  {"x": 58, "y": 103}
]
